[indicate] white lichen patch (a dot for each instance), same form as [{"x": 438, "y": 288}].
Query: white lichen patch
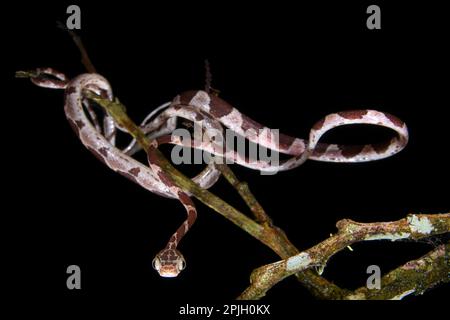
[
  {"x": 388, "y": 236},
  {"x": 420, "y": 225},
  {"x": 356, "y": 296},
  {"x": 402, "y": 295},
  {"x": 301, "y": 260},
  {"x": 320, "y": 269}
]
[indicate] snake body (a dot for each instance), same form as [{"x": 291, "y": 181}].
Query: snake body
[
  {"x": 299, "y": 149},
  {"x": 210, "y": 112}
]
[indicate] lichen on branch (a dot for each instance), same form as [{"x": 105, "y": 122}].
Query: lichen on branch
[{"x": 413, "y": 227}]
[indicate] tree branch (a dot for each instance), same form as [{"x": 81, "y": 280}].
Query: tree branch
[
  {"x": 414, "y": 277},
  {"x": 412, "y": 227}
]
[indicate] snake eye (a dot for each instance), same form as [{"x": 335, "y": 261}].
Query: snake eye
[
  {"x": 156, "y": 264},
  {"x": 182, "y": 264}
]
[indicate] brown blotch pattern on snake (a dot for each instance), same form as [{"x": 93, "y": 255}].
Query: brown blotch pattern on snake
[
  {"x": 396, "y": 121},
  {"x": 164, "y": 179},
  {"x": 248, "y": 123},
  {"x": 186, "y": 97},
  {"x": 70, "y": 90},
  {"x": 219, "y": 108},
  {"x": 320, "y": 149},
  {"x": 103, "y": 151},
  {"x": 351, "y": 151},
  {"x": 381, "y": 147},
  {"x": 199, "y": 117},
  {"x": 354, "y": 114},
  {"x": 319, "y": 124},
  {"x": 127, "y": 175},
  {"x": 135, "y": 171},
  {"x": 96, "y": 154},
  {"x": 80, "y": 124}
]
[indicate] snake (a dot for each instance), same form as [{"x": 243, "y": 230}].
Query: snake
[
  {"x": 211, "y": 112},
  {"x": 299, "y": 149}
]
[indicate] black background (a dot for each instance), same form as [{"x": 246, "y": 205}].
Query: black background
[{"x": 285, "y": 66}]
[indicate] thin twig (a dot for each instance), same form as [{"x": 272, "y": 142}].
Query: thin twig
[
  {"x": 85, "y": 60},
  {"x": 208, "y": 76},
  {"x": 244, "y": 191}
]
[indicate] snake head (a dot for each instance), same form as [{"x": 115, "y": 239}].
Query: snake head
[{"x": 169, "y": 263}]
